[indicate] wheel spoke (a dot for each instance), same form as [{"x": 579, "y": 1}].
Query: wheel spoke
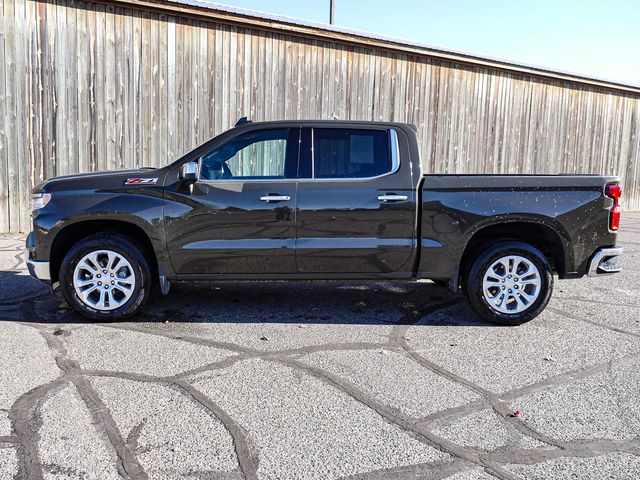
[
  {"x": 94, "y": 259},
  {"x": 116, "y": 266},
  {"x": 527, "y": 297},
  {"x": 505, "y": 266},
  {"x": 512, "y": 265},
  {"x": 86, "y": 265},
  {"x": 492, "y": 296},
  {"x": 535, "y": 281},
  {"x": 519, "y": 301},
  {"x": 110, "y": 259},
  {"x": 101, "y": 301},
  {"x": 503, "y": 300},
  {"x": 83, "y": 283},
  {"x": 124, "y": 288},
  {"x": 85, "y": 293},
  {"x": 128, "y": 279}
]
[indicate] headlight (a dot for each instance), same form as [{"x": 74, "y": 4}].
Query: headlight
[{"x": 38, "y": 200}]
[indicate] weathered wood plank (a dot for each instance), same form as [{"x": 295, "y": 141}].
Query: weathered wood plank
[
  {"x": 82, "y": 94},
  {"x": 99, "y": 161},
  {"x": 4, "y": 117},
  {"x": 12, "y": 80},
  {"x": 110, "y": 75},
  {"x": 170, "y": 133},
  {"x": 161, "y": 100},
  {"x": 119, "y": 78}
]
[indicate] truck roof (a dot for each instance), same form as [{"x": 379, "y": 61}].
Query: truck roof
[{"x": 324, "y": 123}]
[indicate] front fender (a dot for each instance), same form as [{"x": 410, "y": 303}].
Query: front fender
[{"x": 141, "y": 209}]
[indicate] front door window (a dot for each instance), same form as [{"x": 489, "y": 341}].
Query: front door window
[{"x": 258, "y": 155}]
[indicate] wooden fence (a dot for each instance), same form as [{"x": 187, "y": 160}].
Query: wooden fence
[{"x": 94, "y": 86}]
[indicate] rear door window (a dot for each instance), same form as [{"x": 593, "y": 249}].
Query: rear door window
[{"x": 350, "y": 153}]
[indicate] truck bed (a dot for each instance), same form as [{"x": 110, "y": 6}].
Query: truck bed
[{"x": 455, "y": 208}]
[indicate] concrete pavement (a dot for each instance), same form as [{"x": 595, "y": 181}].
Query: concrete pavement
[{"x": 278, "y": 380}]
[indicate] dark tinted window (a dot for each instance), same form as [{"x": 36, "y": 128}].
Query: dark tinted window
[
  {"x": 344, "y": 153},
  {"x": 255, "y": 155}
]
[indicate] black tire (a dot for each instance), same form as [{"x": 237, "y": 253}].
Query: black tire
[
  {"x": 122, "y": 245},
  {"x": 474, "y": 283}
]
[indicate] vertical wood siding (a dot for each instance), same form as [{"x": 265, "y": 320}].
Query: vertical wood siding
[{"x": 87, "y": 86}]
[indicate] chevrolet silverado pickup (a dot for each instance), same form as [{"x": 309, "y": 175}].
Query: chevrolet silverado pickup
[{"x": 307, "y": 200}]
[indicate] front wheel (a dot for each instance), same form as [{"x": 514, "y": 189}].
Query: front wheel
[
  {"x": 105, "y": 277},
  {"x": 510, "y": 283}
]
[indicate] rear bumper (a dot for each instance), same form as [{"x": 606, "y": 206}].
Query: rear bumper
[
  {"x": 39, "y": 270},
  {"x": 605, "y": 261}
]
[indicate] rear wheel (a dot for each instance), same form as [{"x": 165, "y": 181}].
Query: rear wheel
[
  {"x": 510, "y": 283},
  {"x": 105, "y": 277}
]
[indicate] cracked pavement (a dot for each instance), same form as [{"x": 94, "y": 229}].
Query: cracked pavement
[{"x": 321, "y": 380}]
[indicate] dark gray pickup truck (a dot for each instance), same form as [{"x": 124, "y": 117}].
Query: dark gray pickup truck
[{"x": 320, "y": 200}]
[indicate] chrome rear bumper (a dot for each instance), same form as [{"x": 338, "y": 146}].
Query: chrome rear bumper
[
  {"x": 604, "y": 261},
  {"x": 39, "y": 270}
]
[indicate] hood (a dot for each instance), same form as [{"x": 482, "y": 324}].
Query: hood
[{"x": 97, "y": 180}]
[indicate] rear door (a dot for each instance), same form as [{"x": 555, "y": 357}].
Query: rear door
[{"x": 356, "y": 205}]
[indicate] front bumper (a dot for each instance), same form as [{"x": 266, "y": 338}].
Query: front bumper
[
  {"x": 39, "y": 270},
  {"x": 605, "y": 261}
]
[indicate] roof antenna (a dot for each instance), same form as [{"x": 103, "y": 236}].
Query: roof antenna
[{"x": 242, "y": 121}]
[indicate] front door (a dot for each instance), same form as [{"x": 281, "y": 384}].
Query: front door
[
  {"x": 356, "y": 207},
  {"x": 239, "y": 217}
]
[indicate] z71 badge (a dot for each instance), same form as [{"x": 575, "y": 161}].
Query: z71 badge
[{"x": 140, "y": 181}]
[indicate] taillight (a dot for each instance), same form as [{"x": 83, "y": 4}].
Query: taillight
[{"x": 614, "y": 191}]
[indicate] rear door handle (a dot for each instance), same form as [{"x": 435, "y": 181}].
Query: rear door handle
[
  {"x": 392, "y": 197},
  {"x": 275, "y": 198}
]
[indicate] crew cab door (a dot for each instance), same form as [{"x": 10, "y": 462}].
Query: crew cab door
[
  {"x": 356, "y": 204},
  {"x": 239, "y": 217}
]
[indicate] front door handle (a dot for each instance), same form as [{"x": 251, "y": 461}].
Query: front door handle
[
  {"x": 275, "y": 198},
  {"x": 392, "y": 197}
]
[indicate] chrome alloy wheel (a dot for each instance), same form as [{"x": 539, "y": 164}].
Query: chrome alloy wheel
[
  {"x": 511, "y": 284},
  {"x": 104, "y": 280}
]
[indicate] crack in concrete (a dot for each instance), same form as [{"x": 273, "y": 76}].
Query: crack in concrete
[
  {"x": 427, "y": 471},
  {"x": 396, "y": 342},
  {"x": 134, "y": 435},
  {"x": 25, "y": 413},
  {"x": 397, "y": 419},
  {"x": 593, "y": 322},
  {"x": 128, "y": 465},
  {"x": 245, "y": 453},
  {"x": 600, "y": 302},
  {"x": 569, "y": 377},
  {"x": 26, "y": 420},
  {"x": 580, "y": 448}
]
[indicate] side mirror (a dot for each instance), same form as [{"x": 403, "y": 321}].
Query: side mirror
[{"x": 189, "y": 172}]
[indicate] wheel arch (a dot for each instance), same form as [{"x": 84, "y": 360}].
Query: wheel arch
[
  {"x": 551, "y": 241},
  {"x": 73, "y": 233}
]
